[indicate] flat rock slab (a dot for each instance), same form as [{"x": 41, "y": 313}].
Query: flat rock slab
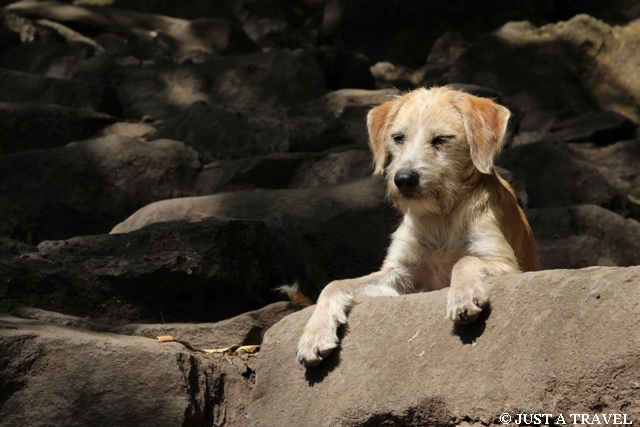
[
  {"x": 170, "y": 272},
  {"x": 61, "y": 376},
  {"x": 26, "y": 88},
  {"x": 559, "y": 341},
  {"x": 245, "y": 329}
]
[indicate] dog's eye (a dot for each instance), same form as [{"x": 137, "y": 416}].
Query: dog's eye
[
  {"x": 439, "y": 140},
  {"x": 398, "y": 138}
]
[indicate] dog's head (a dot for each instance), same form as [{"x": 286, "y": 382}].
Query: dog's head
[{"x": 433, "y": 144}]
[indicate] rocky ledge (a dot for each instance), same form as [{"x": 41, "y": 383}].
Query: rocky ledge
[{"x": 165, "y": 165}]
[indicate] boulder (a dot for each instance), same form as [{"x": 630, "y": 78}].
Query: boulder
[
  {"x": 347, "y": 225},
  {"x": 554, "y": 175},
  {"x": 25, "y": 88},
  {"x": 601, "y": 128},
  {"x": 31, "y": 126},
  {"x": 179, "y": 36},
  {"x": 588, "y": 66},
  {"x": 88, "y": 186},
  {"x": 552, "y": 342},
  {"x": 114, "y": 380},
  {"x": 171, "y": 272},
  {"x": 583, "y": 236},
  {"x": 245, "y": 329},
  {"x": 220, "y": 133},
  {"x": 271, "y": 80}
]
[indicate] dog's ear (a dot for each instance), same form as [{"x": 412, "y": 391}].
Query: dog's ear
[
  {"x": 485, "y": 124},
  {"x": 377, "y": 121}
]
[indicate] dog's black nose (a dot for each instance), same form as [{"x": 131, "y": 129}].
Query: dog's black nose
[{"x": 406, "y": 180}]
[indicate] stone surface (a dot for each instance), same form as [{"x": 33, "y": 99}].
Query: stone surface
[
  {"x": 557, "y": 342},
  {"x": 275, "y": 79},
  {"x": 88, "y": 186},
  {"x": 25, "y": 88},
  {"x": 582, "y": 236},
  {"x": 554, "y": 175},
  {"x": 169, "y": 272},
  {"x": 210, "y": 35},
  {"x": 220, "y": 133},
  {"x": 94, "y": 378},
  {"x": 245, "y": 329},
  {"x": 347, "y": 226},
  {"x": 588, "y": 66},
  {"x": 29, "y": 127},
  {"x": 601, "y": 128}
]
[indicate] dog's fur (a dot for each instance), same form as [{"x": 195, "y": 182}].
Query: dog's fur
[{"x": 461, "y": 224}]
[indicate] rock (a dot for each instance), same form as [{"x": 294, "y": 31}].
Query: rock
[
  {"x": 245, "y": 329},
  {"x": 210, "y": 35},
  {"x": 347, "y": 226},
  {"x": 268, "y": 32},
  {"x": 48, "y": 59},
  {"x": 583, "y": 236},
  {"x": 220, "y": 133},
  {"x": 601, "y": 128},
  {"x": 286, "y": 170},
  {"x": 174, "y": 272},
  {"x": 337, "y": 168},
  {"x": 343, "y": 69},
  {"x": 446, "y": 49},
  {"x": 30, "y": 126},
  {"x": 555, "y": 176},
  {"x": 114, "y": 380},
  {"x": 293, "y": 260},
  {"x": 138, "y": 131},
  {"x": 588, "y": 66},
  {"x": 618, "y": 163},
  {"x": 423, "y": 362},
  {"x": 88, "y": 186},
  {"x": 339, "y": 118},
  {"x": 272, "y": 80},
  {"x": 24, "y": 88}
]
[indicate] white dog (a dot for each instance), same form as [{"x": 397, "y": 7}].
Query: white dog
[{"x": 461, "y": 224}]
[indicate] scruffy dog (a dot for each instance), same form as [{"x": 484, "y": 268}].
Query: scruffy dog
[{"x": 461, "y": 221}]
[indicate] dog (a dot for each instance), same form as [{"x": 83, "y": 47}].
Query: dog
[{"x": 461, "y": 221}]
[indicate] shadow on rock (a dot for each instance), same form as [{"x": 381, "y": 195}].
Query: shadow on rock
[
  {"x": 470, "y": 333},
  {"x": 319, "y": 373}
]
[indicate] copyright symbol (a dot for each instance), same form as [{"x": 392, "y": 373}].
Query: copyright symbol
[{"x": 505, "y": 418}]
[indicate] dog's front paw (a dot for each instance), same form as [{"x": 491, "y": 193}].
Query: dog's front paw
[
  {"x": 465, "y": 302},
  {"x": 316, "y": 344}
]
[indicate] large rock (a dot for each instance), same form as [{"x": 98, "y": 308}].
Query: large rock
[
  {"x": 92, "y": 378},
  {"x": 220, "y": 133},
  {"x": 588, "y": 65},
  {"x": 553, "y": 342},
  {"x": 87, "y": 187},
  {"x": 245, "y": 329},
  {"x": 583, "y": 236},
  {"x": 29, "y": 127},
  {"x": 210, "y": 35},
  {"x": 169, "y": 272},
  {"x": 275, "y": 79},
  {"x": 25, "y": 88},
  {"x": 347, "y": 225},
  {"x": 556, "y": 176}
]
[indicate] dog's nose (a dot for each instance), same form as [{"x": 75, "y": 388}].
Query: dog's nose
[{"x": 406, "y": 180}]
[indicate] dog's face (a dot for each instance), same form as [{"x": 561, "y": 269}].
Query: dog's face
[{"x": 433, "y": 144}]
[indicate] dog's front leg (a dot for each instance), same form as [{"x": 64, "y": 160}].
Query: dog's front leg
[
  {"x": 320, "y": 335},
  {"x": 468, "y": 294}
]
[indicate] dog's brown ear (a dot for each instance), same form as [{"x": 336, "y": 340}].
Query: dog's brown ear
[
  {"x": 377, "y": 121},
  {"x": 485, "y": 124}
]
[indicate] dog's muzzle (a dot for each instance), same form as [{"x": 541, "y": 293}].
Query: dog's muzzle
[{"x": 407, "y": 182}]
